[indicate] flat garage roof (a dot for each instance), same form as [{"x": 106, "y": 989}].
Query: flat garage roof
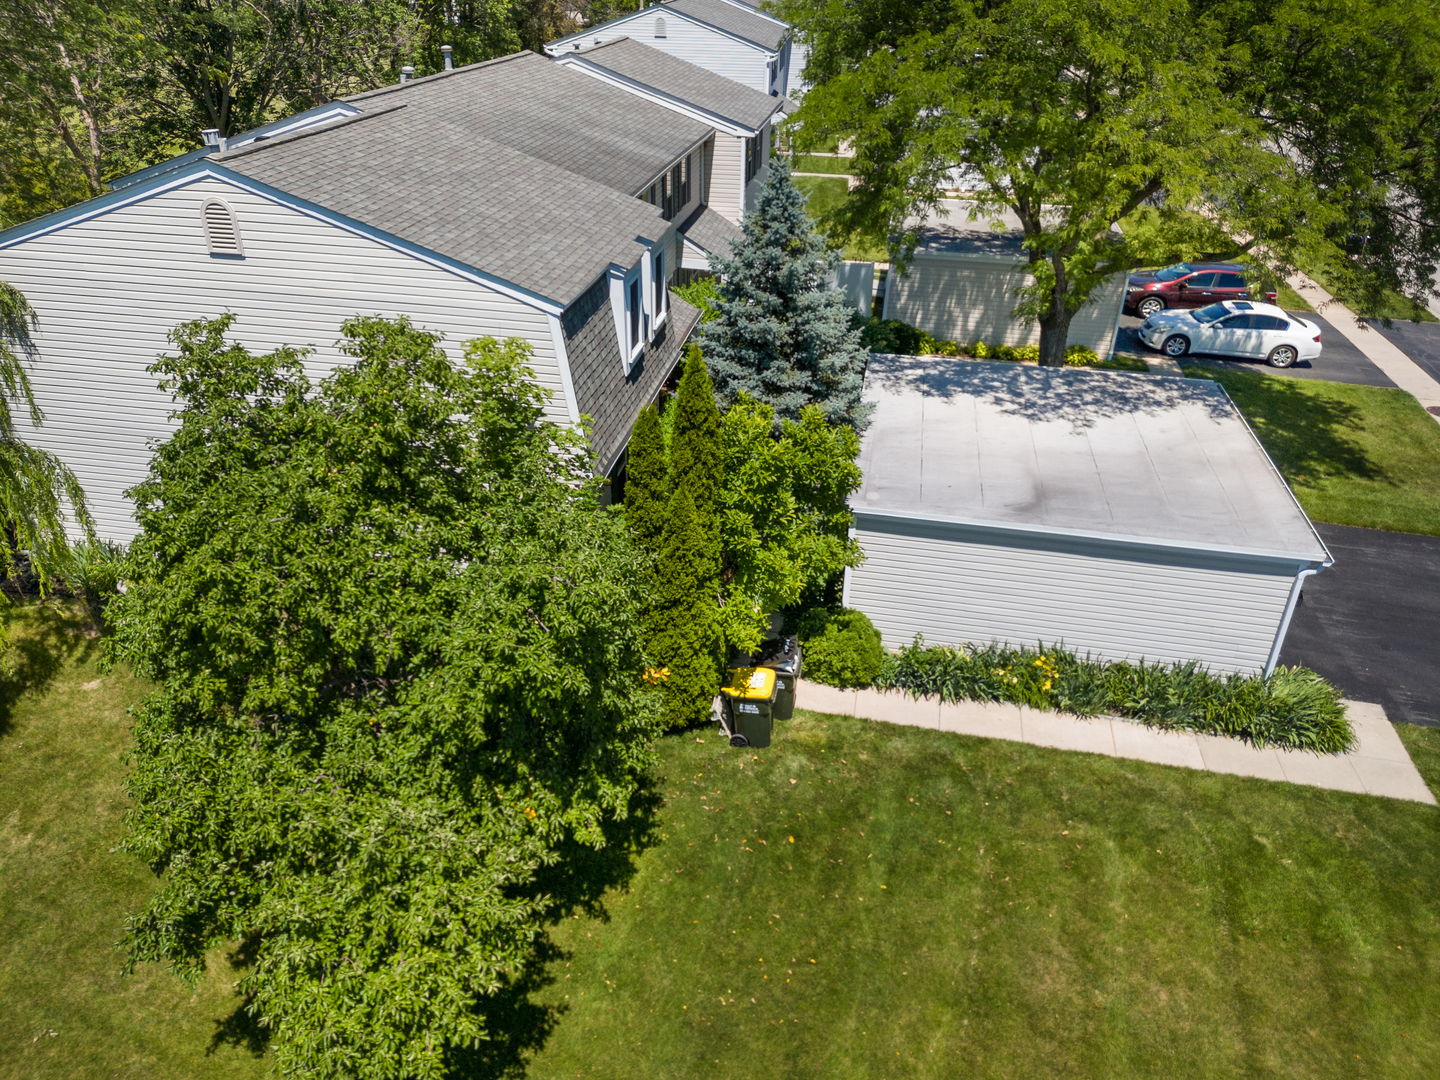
[{"x": 1102, "y": 453}]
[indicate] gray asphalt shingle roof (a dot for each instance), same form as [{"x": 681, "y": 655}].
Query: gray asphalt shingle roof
[
  {"x": 680, "y": 79},
  {"x": 429, "y": 177},
  {"x": 728, "y": 17},
  {"x": 531, "y": 104},
  {"x": 712, "y": 233}
]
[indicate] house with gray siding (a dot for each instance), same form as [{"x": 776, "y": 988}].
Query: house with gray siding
[
  {"x": 1125, "y": 516},
  {"x": 733, "y": 40},
  {"x": 439, "y": 199},
  {"x": 738, "y": 158}
]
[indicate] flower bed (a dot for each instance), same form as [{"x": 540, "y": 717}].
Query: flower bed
[{"x": 1294, "y": 708}]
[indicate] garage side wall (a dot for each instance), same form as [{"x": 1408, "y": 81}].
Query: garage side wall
[
  {"x": 957, "y": 584},
  {"x": 966, "y": 299}
]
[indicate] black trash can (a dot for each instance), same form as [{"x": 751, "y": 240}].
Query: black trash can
[
  {"x": 749, "y": 705},
  {"x": 783, "y": 655}
]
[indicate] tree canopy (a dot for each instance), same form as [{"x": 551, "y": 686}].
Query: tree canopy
[
  {"x": 781, "y": 332},
  {"x": 1300, "y": 132},
  {"x": 397, "y": 648}
]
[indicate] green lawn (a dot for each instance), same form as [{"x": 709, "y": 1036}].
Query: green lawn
[
  {"x": 823, "y": 194},
  {"x": 860, "y": 900},
  {"x": 64, "y": 894},
  {"x": 815, "y": 163},
  {"x": 1354, "y": 455}
]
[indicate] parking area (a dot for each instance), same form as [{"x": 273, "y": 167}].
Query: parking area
[
  {"x": 1419, "y": 341},
  {"x": 1371, "y": 622},
  {"x": 1339, "y": 360}
]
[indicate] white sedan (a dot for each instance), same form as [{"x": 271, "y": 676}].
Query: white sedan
[{"x": 1234, "y": 328}]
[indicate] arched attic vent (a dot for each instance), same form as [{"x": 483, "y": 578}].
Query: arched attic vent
[
  {"x": 222, "y": 233},
  {"x": 659, "y": 27}
]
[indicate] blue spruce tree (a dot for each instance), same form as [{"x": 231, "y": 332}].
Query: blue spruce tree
[{"x": 781, "y": 334}]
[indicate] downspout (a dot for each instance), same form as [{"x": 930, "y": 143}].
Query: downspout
[{"x": 1294, "y": 598}]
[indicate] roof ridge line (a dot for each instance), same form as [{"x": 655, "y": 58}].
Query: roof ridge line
[
  {"x": 256, "y": 145},
  {"x": 393, "y": 87}
]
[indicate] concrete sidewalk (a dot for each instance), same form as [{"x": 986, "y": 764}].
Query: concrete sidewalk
[
  {"x": 1380, "y": 351},
  {"x": 1379, "y": 765}
]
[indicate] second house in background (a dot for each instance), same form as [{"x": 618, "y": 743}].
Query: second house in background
[
  {"x": 724, "y": 36},
  {"x": 738, "y": 157}
]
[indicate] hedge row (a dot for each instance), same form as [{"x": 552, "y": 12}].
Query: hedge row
[
  {"x": 1294, "y": 708},
  {"x": 893, "y": 336}
]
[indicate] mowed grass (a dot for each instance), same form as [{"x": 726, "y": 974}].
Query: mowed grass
[
  {"x": 1353, "y": 455},
  {"x": 822, "y": 163},
  {"x": 65, "y": 1012},
  {"x": 948, "y": 907},
  {"x": 824, "y": 194},
  {"x": 862, "y": 900}
]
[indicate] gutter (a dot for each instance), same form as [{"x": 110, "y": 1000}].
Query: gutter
[{"x": 1290, "y": 604}]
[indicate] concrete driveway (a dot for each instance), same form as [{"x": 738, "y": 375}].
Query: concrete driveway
[
  {"x": 1371, "y": 623},
  {"x": 1339, "y": 360}
]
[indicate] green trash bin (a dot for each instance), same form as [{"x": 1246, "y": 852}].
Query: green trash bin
[
  {"x": 783, "y": 656},
  {"x": 749, "y": 705}
]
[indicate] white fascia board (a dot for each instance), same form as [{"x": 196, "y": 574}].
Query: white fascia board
[
  {"x": 649, "y": 93},
  {"x": 562, "y": 359},
  {"x": 555, "y": 47},
  {"x": 206, "y": 169},
  {"x": 669, "y": 12},
  {"x": 1294, "y": 560},
  {"x": 322, "y": 114}
]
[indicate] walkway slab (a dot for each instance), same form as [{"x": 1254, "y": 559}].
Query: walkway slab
[
  {"x": 1378, "y": 765},
  {"x": 1382, "y": 352}
]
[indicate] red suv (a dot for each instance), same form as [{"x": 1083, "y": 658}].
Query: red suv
[{"x": 1187, "y": 285}]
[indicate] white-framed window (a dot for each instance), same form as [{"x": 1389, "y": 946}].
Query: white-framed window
[
  {"x": 661, "y": 301},
  {"x": 659, "y": 27},
  {"x": 222, "y": 231}
]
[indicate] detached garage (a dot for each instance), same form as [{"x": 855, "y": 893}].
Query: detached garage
[{"x": 1123, "y": 515}]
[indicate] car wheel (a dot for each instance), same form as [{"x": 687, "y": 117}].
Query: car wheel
[
  {"x": 1149, "y": 306},
  {"x": 1282, "y": 356},
  {"x": 1176, "y": 345}
]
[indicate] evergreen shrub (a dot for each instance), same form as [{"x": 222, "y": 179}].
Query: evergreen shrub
[
  {"x": 1294, "y": 709},
  {"x": 841, "y": 648}
]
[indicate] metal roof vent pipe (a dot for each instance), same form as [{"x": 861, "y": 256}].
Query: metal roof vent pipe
[
  {"x": 213, "y": 139},
  {"x": 446, "y": 53},
  {"x": 406, "y": 74}
]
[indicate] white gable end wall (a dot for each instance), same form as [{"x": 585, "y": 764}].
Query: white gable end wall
[
  {"x": 685, "y": 40},
  {"x": 108, "y": 289}
]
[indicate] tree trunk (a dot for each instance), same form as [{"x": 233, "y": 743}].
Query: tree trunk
[{"x": 1055, "y": 323}]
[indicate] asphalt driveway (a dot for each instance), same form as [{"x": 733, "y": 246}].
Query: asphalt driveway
[
  {"x": 1371, "y": 623},
  {"x": 1419, "y": 341},
  {"x": 1339, "y": 360}
]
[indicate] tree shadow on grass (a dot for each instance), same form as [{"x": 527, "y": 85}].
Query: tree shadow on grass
[
  {"x": 575, "y": 885},
  {"x": 240, "y": 1029},
  {"x": 43, "y": 639},
  {"x": 1307, "y": 433}
]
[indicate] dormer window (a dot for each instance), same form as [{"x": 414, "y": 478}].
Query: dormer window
[
  {"x": 222, "y": 233},
  {"x": 633, "y": 313},
  {"x": 661, "y": 297},
  {"x": 659, "y": 27}
]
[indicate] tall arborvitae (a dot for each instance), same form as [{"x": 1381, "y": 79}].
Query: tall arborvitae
[
  {"x": 647, "y": 482},
  {"x": 682, "y": 621},
  {"x": 782, "y": 332},
  {"x": 695, "y": 444}
]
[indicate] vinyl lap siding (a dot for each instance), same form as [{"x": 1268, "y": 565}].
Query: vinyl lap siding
[
  {"x": 727, "y": 177},
  {"x": 955, "y": 588},
  {"x": 968, "y": 300},
  {"x": 108, "y": 290},
  {"x": 687, "y": 41}
]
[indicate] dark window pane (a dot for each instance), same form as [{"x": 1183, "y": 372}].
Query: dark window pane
[
  {"x": 1200, "y": 281},
  {"x": 1230, "y": 281}
]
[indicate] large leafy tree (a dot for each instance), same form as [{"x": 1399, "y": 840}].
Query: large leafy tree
[
  {"x": 396, "y": 646},
  {"x": 781, "y": 334},
  {"x": 1203, "y": 128},
  {"x": 38, "y": 492}
]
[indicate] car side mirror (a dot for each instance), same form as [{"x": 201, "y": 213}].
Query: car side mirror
[{"x": 1181, "y": 285}]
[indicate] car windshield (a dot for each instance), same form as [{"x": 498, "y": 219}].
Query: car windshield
[
  {"x": 1170, "y": 273},
  {"x": 1210, "y": 314}
]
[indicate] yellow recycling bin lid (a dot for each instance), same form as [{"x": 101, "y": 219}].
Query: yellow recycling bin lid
[{"x": 755, "y": 683}]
